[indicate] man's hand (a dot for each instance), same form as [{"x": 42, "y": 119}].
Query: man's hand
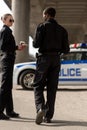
[{"x": 21, "y": 45}]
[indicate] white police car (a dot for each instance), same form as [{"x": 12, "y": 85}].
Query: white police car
[{"x": 73, "y": 68}]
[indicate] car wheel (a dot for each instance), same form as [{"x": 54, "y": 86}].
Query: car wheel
[{"x": 26, "y": 79}]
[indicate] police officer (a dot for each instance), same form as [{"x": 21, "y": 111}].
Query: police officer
[
  {"x": 7, "y": 58},
  {"x": 52, "y": 40}
]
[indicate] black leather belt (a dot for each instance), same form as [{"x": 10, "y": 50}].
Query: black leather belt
[
  {"x": 51, "y": 53},
  {"x": 47, "y": 53}
]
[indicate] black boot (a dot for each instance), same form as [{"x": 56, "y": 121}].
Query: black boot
[
  {"x": 13, "y": 114},
  {"x": 3, "y": 116}
]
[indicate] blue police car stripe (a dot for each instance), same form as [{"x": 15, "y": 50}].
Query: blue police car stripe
[
  {"x": 18, "y": 66},
  {"x": 62, "y": 62},
  {"x": 72, "y": 79},
  {"x": 74, "y": 61}
]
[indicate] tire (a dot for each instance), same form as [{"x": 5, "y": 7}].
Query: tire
[{"x": 26, "y": 79}]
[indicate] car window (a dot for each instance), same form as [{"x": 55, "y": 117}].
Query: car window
[
  {"x": 84, "y": 56},
  {"x": 74, "y": 56}
]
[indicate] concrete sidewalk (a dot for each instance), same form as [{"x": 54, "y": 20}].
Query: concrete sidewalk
[{"x": 70, "y": 111}]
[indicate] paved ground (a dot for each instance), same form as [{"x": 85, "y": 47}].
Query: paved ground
[{"x": 70, "y": 110}]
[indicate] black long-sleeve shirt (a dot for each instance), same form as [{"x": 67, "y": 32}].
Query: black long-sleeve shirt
[
  {"x": 7, "y": 41},
  {"x": 51, "y": 37}
]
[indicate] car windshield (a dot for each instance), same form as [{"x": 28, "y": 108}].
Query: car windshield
[{"x": 74, "y": 56}]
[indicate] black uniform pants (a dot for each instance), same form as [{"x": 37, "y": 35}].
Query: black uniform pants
[
  {"x": 6, "y": 73},
  {"x": 47, "y": 73}
]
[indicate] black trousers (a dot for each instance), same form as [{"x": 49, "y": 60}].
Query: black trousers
[
  {"x": 47, "y": 73},
  {"x": 6, "y": 73}
]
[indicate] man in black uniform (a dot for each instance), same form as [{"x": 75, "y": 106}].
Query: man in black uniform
[
  {"x": 7, "y": 58},
  {"x": 52, "y": 40}
]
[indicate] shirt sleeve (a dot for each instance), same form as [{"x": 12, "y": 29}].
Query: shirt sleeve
[
  {"x": 4, "y": 40},
  {"x": 16, "y": 47},
  {"x": 39, "y": 35},
  {"x": 7, "y": 41},
  {"x": 65, "y": 43}
]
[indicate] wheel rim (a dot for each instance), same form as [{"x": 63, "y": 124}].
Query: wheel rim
[{"x": 28, "y": 80}]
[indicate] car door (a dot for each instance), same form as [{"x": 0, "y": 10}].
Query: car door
[{"x": 73, "y": 68}]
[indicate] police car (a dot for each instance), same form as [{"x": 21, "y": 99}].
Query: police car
[{"x": 73, "y": 68}]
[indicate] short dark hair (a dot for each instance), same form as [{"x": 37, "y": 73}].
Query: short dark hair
[{"x": 50, "y": 11}]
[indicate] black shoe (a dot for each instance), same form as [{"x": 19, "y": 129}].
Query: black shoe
[
  {"x": 13, "y": 114},
  {"x": 39, "y": 117},
  {"x": 3, "y": 117},
  {"x": 47, "y": 120}
]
